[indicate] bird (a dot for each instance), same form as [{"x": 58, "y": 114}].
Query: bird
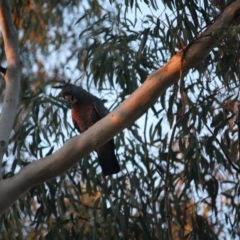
[{"x": 86, "y": 110}]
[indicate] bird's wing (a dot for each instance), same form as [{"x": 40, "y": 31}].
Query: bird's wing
[
  {"x": 100, "y": 109},
  {"x": 76, "y": 126},
  {"x": 95, "y": 116}
]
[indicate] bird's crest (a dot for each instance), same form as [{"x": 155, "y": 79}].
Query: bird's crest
[{"x": 64, "y": 83}]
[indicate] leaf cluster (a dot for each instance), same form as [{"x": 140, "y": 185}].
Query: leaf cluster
[{"x": 113, "y": 54}]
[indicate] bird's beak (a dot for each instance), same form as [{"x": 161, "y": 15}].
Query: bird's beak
[{"x": 70, "y": 99}]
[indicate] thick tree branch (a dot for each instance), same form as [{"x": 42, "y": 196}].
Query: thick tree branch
[
  {"x": 124, "y": 115},
  {"x": 12, "y": 77}
]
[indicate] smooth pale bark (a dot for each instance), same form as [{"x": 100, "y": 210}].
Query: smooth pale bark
[
  {"x": 124, "y": 115},
  {"x": 12, "y": 77}
]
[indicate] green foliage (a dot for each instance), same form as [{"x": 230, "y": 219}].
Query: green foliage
[{"x": 111, "y": 53}]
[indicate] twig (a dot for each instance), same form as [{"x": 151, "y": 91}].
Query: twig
[
  {"x": 167, "y": 204},
  {"x": 181, "y": 88},
  {"x": 238, "y": 123},
  {"x": 166, "y": 192}
]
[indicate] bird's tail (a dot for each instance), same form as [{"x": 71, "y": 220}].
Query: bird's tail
[{"x": 107, "y": 159}]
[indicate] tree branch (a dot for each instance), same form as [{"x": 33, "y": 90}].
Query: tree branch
[
  {"x": 11, "y": 77},
  {"x": 124, "y": 115}
]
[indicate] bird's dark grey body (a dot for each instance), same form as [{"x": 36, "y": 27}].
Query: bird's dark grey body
[{"x": 87, "y": 109}]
